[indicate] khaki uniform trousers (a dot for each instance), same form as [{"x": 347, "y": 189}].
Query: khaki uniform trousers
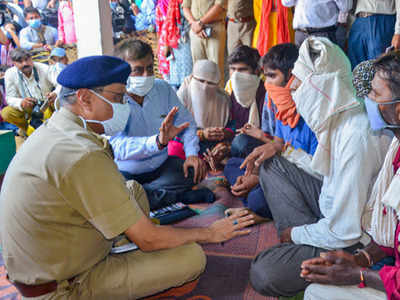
[
  {"x": 135, "y": 274},
  {"x": 15, "y": 116},
  {"x": 239, "y": 34},
  {"x": 212, "y": 48}
]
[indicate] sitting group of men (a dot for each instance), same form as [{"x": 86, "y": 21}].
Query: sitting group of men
[{"x": 320, "y": 168}]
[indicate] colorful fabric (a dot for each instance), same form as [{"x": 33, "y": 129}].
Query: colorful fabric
[
  {"x": 147, "y": 15},
  {"x": 163, "y": 4},
  {"x": 282, "y": 98},
  {"x": 172, "y": 21},
  {"x": 66, "y": 23},
  {"x": 163, "y": 63},
  {"x": 282, "y": 25}
]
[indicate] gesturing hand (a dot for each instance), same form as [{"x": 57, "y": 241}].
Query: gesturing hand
[
  {"x": 257, "y": 157},
  {"x": 252, "y": 131},
  {"x": 228, "y": 228},
  {"x": 244, "y": 185},
  {"x": 336, "y": 267},
  {"x": 168, "y": 130},
  {"x": 28, "y": 103}
]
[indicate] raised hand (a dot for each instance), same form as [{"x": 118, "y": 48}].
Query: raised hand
[{"x": 168, "y": 130}]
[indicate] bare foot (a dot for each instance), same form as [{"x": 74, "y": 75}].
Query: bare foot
[{"x": 257, "y": 219}]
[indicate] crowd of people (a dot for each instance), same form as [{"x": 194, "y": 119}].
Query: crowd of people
[{"x": 305, "y": 132}]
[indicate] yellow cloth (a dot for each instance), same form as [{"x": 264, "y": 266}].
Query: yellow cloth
[{"x": 273, "y": 19}]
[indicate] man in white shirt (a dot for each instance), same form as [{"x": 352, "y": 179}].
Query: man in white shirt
[
  {"x": 26, "y": 83},
  {"x": 40, "y": 4},
  {"x": 312, "y": 219},
  {"x": 377, "y": 26},
  {"x": 318, "y": 17}
]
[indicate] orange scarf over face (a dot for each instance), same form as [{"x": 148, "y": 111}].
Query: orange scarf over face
[
  {"x": 282, "y": 98},
  {"x": 283, "y": 25}
]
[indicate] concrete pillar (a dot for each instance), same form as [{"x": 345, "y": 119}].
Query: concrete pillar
[{"x": 93, "y": 27}]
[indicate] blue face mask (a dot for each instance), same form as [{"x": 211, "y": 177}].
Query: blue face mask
[
  {"x": 375, "y": 116},
  {"x": 113, "y": 5},
  {"x": 35, "y": 23}
]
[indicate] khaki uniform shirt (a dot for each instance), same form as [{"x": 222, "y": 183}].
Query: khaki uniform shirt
[
  {"x": 240, "y": 9},
  {"x": 62, "y": 202},
  {"x": 200, "y": 7},
  {"x": 385, "y": 7}
]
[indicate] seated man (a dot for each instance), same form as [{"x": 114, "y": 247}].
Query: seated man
[
  {"x": 381, "y": 215},
  {"x": 247, "y": 95},
  {"x": 27, "y": 83},
  {"x": 37, "y": 35},
  {"x": 311, "y": 219},
  {"x": 291, "y": 135},
  {"x": 58, "y": 226},
  {"x": 209, "y": 104},
  {"x": 141, "y": 149}
]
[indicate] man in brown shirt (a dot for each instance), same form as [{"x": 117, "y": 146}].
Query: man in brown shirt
[
  {"x": 241, "y": 24},
  {"x": 208, "y": 32},
  {"x": 63, "y": 201}
]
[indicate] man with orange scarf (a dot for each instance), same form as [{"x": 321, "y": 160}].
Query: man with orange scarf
[{"x": 280, "y": 119}]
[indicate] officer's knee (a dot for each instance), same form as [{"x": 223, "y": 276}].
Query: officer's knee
[{"x": 265, "y": 277}]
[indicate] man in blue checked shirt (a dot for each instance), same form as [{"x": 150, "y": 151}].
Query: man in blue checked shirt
[{"x": 157, "y": 116}]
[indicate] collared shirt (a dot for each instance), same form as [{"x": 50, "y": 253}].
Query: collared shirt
[
  {"x": 385, "y": 7},
  {"x": 135, "y": 149},
  {"x": 200, "y": 7},
  {"x": 18, "y": 86},
  {"x": 356, "y": 158},
  {"x": 63, "y": 200},
  {"x": 240, "y": 9},
  {"x": 317, "y": 13},
  {"x": 29, "y": 36}
]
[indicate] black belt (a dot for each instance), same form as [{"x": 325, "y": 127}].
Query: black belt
[{"x": 311, "y": 30}]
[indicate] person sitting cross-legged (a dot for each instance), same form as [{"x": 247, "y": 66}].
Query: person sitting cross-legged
[
  {"x": 312, "y": 218},
  {"x": 156, "y": 117},
  {"x": 291, "y": 137}
]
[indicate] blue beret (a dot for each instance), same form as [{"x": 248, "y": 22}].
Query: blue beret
[{"x": 94, "y": 71}]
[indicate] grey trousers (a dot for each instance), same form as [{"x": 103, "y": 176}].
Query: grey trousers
[{"x": 292, "y": 196}]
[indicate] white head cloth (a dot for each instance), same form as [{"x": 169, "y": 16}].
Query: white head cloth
[
  {"x": 209, "y": 105},
  {"x": 325, "y": 92},
  {"x": 245, "y": 88}
]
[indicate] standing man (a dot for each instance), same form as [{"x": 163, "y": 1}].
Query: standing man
[
  {"x": 377, "y": 26},
  {"x": 58, "y": 226},
  {"x": 208, "y": 32},
  {"x": 241, "y": 24},
  {"x": 141, "y": 149},
  {"x": 318, "y": 18}
]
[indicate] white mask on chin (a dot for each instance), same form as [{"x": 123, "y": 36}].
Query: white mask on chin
[{"x": 140, "y": 85}]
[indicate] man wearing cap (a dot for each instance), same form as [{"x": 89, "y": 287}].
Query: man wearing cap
[
  {"x": 26, "y": 83},
  {"x": 59, "y": 58},
  {"x": 141, "y": 151},
  {"x": 58, "y": 226}
]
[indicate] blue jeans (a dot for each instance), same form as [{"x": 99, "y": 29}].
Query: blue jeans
[
  {"x": 369, "y": 37},
  {"x": 164, "y": 185},
  {"x": 255, "y": 200},
  {"x": 243, "y": 145}
]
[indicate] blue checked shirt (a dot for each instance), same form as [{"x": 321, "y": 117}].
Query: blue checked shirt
[{"x": 135, "y": 149}]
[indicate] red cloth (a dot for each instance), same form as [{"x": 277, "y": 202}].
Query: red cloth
[
  {"x": 172, "y": 21},
  {"x": 163, "y": 63},
  {"x": 283, "y": 26},
  {"x": 282, "y": 98},
  {"x": 390, "y": 275}
]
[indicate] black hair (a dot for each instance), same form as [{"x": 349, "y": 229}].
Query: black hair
[
  {"x": 246, "y": 55},
  {"x": 280, "y": 57},
  {"x": 19, "y": 54},
  {"x": 389, "y": 67},
  {"x": 30, "y": 10},
  {"x": 132, "y": 49}
]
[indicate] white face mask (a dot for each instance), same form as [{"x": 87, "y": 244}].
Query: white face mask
[
  {"x": 119, "y": 119},
  {"x": 140, "y": 85}
]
